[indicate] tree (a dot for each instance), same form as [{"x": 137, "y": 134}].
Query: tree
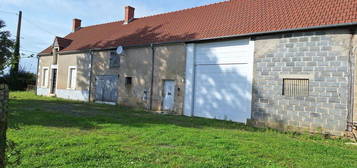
[{"x": 6, "y": 46}]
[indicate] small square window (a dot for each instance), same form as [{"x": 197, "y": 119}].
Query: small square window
[
  {"x": 296, "y": 87},
  {"x": 128, "y": 81},
  {"x": 114, "y": 60}
]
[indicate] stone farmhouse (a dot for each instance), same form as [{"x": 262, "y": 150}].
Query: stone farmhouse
[{"x": 287, "y": 64}]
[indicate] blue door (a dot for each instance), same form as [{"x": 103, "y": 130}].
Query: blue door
[{"x": 106, "y": 88}]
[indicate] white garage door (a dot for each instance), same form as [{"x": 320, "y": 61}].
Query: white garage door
[{"x": 219, "y": 81}]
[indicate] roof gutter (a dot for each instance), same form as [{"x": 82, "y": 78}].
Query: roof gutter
[
  {"x": 152, "y": 75},
  {"x": 214, "y": 38},
  {"x": 37, "y": 74},
  {"x": 90, "y": 75}
]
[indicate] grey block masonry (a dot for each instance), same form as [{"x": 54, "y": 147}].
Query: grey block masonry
[{"x": 320, "y": 56}]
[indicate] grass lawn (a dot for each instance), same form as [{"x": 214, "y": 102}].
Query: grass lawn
[{"x": 51, "y": 132}]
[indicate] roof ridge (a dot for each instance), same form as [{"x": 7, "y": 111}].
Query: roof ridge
[
  {"x": 62, "y": 38},
  {"x": 181, "y": 10},
  {"x": 165, "y": 13},
  {"x": 100, "y": 24}
]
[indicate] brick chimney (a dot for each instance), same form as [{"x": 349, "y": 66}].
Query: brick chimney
[
  {"x": 76, "y": 24},
  {"x": 129, "y": 14}
]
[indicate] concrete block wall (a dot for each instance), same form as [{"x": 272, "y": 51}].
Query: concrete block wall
[{"x": 320, "y": 56}]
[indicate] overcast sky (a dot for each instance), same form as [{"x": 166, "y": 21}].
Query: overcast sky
[{"x": 45, "y": 19}]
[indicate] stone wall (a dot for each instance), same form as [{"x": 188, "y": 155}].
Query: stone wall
[
  {"x": 170, "y": 61},
  {"x": 137, "y": 63},
  {"x": 320, "y": 56},
  {"x": 100, "y": 67},
  {"x": 4, "y": 95}
]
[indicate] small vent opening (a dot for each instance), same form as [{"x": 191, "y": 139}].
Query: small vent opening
[
  {"x": 128, "y": 81},
  {"x": 296, "y": 87}
]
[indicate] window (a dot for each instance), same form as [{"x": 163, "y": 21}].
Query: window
[
  {"x": 45, "y": 77},
  {"x": 72, "y": 75},
  {"x": 128, "y": 81},
  {"x": 296, "y": 87},
  {"x": 114, "y": 60}
]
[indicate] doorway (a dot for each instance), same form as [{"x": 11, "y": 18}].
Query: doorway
[
  {"x": 53, "y": 81},
  {"x": 106, "y": 88},
  {"x": 219, "y": 80},
  {"x": 169, "y": 95}
]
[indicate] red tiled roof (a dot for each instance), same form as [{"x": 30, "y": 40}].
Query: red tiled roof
[
  {"x": 235, "y": 17},
  {"x": 63, "y": 42}
]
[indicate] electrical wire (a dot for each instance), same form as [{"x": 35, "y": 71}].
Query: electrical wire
[
  {"x": 8, "y": 12},
  {"x": 39, "y": 27},
  {"x": 29, "y": 51},
  {"x": 29, "y": 21},
  {"x": 28, "y": 57}
]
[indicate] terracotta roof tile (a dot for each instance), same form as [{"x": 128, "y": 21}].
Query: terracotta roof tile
[
  {"x": 63, "y": 42},
  {"x": 228, "y": 18}
]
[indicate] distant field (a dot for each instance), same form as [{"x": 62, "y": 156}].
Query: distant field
[{"x": 51, "y": 132}]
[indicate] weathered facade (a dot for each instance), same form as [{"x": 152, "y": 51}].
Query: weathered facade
[
  {"x": 169, "y": 64},
  {"x": 80, "y": 62}
]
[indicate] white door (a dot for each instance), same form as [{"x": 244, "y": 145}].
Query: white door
[
  {"x": 222, "y": 80},
  {"x": 169, "y": 95}
]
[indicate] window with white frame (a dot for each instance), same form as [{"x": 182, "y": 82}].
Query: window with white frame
[
  {"x": 72, "y": 76},
  {"x": 45, "y": 77}
]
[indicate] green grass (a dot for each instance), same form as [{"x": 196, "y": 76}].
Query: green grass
[{"x": 51, "y": 132}]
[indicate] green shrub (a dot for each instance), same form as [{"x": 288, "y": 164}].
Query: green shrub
[{"x": 20, "y": 81}]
